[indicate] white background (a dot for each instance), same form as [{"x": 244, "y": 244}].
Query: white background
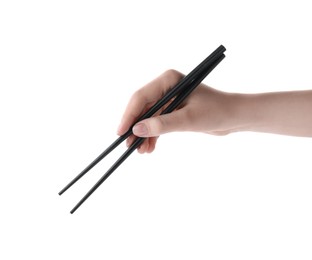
[{"x": 67, "y": 71}]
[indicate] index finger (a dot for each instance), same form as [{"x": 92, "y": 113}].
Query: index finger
[{"x": 147, "y": 96}]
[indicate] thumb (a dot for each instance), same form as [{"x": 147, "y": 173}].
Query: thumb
[{"x": 162, "y": 124}]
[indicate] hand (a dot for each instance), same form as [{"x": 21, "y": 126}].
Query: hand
[{"x": 205, "y": 110}]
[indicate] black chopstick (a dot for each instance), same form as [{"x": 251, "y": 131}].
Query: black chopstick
[
  {"x": 195, "y": 73},
  {"x": 172, "y": 106}
]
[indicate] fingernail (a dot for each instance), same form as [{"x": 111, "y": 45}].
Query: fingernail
[{"x": 140, "y": 130}]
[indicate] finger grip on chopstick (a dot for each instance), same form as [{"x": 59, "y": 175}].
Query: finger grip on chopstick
[
  {"x": 193, "y": 75},
  {"x": 178, "y": 93}
]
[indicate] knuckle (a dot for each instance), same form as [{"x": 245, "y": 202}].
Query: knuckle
[
  {"x": 159, "y": 125},
  {"x": 173, "y": 74},
  {"x": 138, "y": 96},
  {"x": 154, "y": 126}
]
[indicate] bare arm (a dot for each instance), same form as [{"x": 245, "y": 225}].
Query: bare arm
[{"x": 288, "y": 113}]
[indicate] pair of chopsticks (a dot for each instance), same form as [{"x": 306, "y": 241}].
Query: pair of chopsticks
[{"x": 178, "y": 93}]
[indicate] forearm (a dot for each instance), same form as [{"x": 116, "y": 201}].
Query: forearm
[{"x": 288, "y": 113}]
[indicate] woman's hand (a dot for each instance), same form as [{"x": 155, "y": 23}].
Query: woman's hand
[{"x": 205, "y": 110}]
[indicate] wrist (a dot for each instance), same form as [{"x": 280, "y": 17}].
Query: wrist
[{"x": 245, "y": 114}]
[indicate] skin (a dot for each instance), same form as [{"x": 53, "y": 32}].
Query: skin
[{"x": 215, "y": 112}]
